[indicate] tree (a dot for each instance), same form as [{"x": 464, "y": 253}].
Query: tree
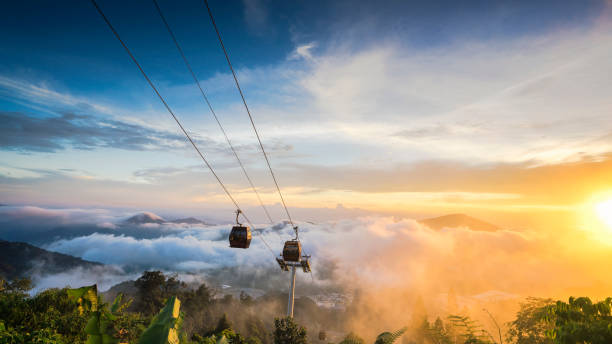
[
  {"x": 469, "y": 330},
  {"x": 151, "y": 286},
  {"x": 581, "y": 321},
  {"x": 440, "y": 334},
  {"x": 20, "y": 286},
  {"x": 246, "y": 299},
  {"x": 352, "y": 338},
  {"x": 256, "y": 329},
  {"x": 286, "y": 331},
  {"x": 48, "y": 317},
  {"x": 223, "y": 324},
  {"x": 530, "y": 325}
]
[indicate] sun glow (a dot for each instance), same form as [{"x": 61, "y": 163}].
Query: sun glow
[
  {"x": 595, "y": 216},
  {"x": 604, "y": 212}
]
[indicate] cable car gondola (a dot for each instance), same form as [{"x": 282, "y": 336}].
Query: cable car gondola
[
  {"x": 292, "y": 251},
  {"x": 240, "y": 236}
]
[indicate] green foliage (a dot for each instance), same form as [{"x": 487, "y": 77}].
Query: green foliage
[
  {"x": 457, "y": 330},
  {"x": 530, "y": 325},
  {"x": 48, "y": 317},
  {"x": 469, "y": 330},
  {"x": 165, "y": 326},
  {"x": 223, "y": 324},
  {"x": 151, "y": 286},
  {"x": 11, "y": 336},
  {"x": 62, "y": 316},
  {"x": 256, "y": 331},
  {"x": 100, "y": 328},
  {"x": 352, "y": 338},
  {"x": 286, "y": 331},
  {"x": 390, "y": 337},
  {"x": 439, "y": 333},
  {"x": 581, "y": 321},
  {"x": 87, "y": 297}
]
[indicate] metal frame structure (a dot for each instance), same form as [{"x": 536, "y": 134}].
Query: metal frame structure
[{"x": 304, "y": 263}]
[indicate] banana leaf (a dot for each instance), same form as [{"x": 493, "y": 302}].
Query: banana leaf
[{"x": 165, "y": 325}]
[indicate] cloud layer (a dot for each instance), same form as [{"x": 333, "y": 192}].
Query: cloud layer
[{"x": 380, "y": 252}]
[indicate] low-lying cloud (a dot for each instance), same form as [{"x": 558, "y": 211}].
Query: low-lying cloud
[{"x": 380, "y": 252}]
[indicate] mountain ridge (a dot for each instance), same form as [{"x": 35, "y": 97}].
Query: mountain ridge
[
  {"x": 457, "y": 221},
  {"x": 18, "y": 258}
]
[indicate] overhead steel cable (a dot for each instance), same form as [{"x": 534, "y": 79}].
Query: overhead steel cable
[
  {"x": 212, "y": 19},
  {"x": 229, "y": 63},
  {"x": 178, "y": 47},
  {"x": 229, "y": 195}
]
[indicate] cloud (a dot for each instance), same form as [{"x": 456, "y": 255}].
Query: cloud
[
  {"x": 104, "y": 276},
  {"x": 382, "y": 252},
  {"x": 168, "y": 253},
  {"x": 39, "y": 218},
  {"x": 383, "y": 264},
  {"x": 526, "y": 98},
  {"x": 303, "y": 52},
  {"x": 41, "y": 96},
  {"x": 24, "y": 132}
]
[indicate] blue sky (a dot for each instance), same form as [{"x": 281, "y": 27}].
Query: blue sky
[{"x": 381, "y": 106}]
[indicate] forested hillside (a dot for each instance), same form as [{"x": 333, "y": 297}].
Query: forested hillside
[
  {"x": 18, "y": 259},
  {"x": 80, "y": 315}
]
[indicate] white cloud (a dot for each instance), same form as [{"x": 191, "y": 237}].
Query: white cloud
[
  {"x": 104, "y": 276},
  {"x": 303, "y": 51},
  {"x": 542, "y": 99},
  {"x": 374, "y": 250}
]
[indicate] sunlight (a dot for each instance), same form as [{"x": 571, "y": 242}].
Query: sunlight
[
  {"x": 596, "y": 216},
  {"x": 604, "y": 212}
]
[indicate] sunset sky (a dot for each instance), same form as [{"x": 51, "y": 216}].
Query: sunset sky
[{"x": 501, "y": 110}]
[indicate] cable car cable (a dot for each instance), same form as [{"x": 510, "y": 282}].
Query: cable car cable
[
  {"x": 212, "y": 19},
  {"x": 175, "y": 118},
  {"x": 178, "y": 47}
]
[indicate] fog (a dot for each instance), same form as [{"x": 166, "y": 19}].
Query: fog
[{"x": 394, "y": 267}]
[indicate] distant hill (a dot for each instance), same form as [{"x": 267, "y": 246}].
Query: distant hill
[
  {"x": 190, "y": 221},
  {"x": 17, "y": 258},
  {"x": 148, "y": 217},
  {"x": 458, "y": 220},
  {"x": 143, "y": 218}
]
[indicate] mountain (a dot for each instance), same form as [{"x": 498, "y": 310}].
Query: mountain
[
  {"x": 144, "y": 218},
  {"x": 18, "y": 258},
  {"x": 458, "y": 220},
  {"x": 190, "y": 221}
]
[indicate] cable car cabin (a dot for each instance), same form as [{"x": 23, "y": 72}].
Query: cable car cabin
[
  {"x": 240, "y": 237},
  {"x": 292, "y": 251}
]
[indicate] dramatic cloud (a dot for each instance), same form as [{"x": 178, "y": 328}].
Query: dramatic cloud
[
  {"x": 24, "y": 132},
  {"x": 381, "y": 252}
]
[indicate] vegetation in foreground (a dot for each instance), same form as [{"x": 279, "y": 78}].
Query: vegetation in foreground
[{"x": 80, "y": 316}]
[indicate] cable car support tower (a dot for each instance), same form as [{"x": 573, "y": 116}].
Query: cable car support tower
[{"x": 293, "y": 258}]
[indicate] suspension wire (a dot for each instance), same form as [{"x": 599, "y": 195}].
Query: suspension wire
[
  {"x": 212, "y": 19},
  {"x": 178, "y": 47},
  {"x": 176, "y": 119}
]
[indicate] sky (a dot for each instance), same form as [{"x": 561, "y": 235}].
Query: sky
[{"x": 498, "y": 109}]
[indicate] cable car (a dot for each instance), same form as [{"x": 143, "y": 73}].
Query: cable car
[
  {"x": 292, "y": 251},
  {"x": 240, "y": 236}
]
